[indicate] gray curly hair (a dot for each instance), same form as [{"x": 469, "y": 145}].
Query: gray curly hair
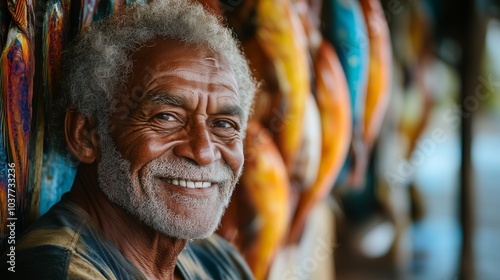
[{"x": 98, "y": 63}]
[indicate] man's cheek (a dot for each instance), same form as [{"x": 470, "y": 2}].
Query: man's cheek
[{"x": 239, "y": 159}]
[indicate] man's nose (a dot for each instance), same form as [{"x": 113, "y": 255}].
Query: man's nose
[{"x": 198, "y": 146}]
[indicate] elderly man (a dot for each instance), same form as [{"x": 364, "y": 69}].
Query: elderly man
[{"x": 156, "y": 102}]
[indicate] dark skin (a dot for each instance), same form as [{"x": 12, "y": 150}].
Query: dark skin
[{"x": 181, "y": 101}]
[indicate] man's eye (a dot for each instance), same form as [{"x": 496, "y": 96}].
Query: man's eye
[
  {"x": 224, "y": 124},
  {"x": 165, "y": 116}
]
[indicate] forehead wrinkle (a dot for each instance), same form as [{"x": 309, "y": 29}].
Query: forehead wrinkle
[
  {"x": 213, "y": 82},
  {"x": 221, "y": 67}
]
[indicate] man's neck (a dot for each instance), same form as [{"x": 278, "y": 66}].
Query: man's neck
[{"x": 152, "y": 252}]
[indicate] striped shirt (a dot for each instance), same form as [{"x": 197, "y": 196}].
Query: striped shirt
[{"x": 66, "y": 244}]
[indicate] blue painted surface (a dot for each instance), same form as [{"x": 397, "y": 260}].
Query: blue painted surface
[
  {"x": 346, "y": 30},
  {"x": 58, "y": 176}
]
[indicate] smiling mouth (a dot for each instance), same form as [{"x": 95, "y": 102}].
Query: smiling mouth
[{"x": 187, "y": 183}]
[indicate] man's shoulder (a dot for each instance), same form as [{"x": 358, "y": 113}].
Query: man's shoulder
[
  {"x": 64, "y": 244},
  {"x": 62, "y": 226},
  {"x": 46, "y": 250},
  {"x": 49, "y": 261},
  {"x": 213, "y": 258}
]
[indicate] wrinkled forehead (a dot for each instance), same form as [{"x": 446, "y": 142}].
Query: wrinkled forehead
[{"x": 166, "y": 53}]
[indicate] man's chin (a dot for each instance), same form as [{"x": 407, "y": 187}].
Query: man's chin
[
  {"x": 196, "y": 231},
  {"x": 188, "y": 225}
]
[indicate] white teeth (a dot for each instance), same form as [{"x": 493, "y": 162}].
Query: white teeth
[{"x": 188, "y": 184}]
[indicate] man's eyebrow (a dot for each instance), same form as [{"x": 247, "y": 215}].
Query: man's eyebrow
[
  {"x": 232, "y": 110},
  {"x": 165, "y": 99}
]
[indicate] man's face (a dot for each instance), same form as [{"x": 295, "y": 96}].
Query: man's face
[{"x": 177, "y": 130}]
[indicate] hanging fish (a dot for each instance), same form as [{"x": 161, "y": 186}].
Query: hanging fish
[
  {"x": 257, "y": 219},
  {"x": 17, "y": 90},
  {"x": 282, "y": 38},
  {"x": 379, "y": 72},
  {"x": 16, "y": 82},
  {"x": 54, "y": 32},
  {"x": 306, "y": 166},
  {"x": 332, "y": 97},
  {"x": 345, "y": 29},
  {"x": 309, "y": 156}
]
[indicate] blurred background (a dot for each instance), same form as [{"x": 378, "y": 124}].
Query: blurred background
[{"x": 374, "y": 147}]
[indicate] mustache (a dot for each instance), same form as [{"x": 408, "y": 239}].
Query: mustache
[{"x": 180, "y": 168}]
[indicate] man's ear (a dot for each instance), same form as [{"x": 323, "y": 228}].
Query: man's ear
[{"x": 81, "y": 136}]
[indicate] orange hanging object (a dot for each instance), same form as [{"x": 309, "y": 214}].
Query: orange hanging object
[
  {"x": 17, "y": 66},
  {"x": 282, "y": 38},
  {"x": 379, "y": 71},
  {"x": 306, "y": 167},
  {"x": 258, "y": 216},
  {"x": 17, "y": 90},
  {"x": 332, "y": 97}
]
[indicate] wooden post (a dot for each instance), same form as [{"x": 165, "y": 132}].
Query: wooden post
[{"x": 473, "y": 30}]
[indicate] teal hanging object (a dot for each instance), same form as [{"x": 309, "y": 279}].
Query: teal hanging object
[{"x": 345, "y": 29}]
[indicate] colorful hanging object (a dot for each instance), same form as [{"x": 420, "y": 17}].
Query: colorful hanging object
[
  {"x": 309, "y": 156},
  {"x": 282, "y": 38},
  {"x": 258, "y": 216},
  {"x": 346, "y": 30},
  {"x": 379, "y": 72},
  {"x": 16, "y": 81},
  {"x": 57, "y": 175},
  {"x": 332, "y": 97},
  {"x": 86, "y": 13},
  {"x": 54, "y": 33}
]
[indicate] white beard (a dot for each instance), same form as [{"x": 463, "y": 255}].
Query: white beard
[{"x": 142, "y": 197}]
